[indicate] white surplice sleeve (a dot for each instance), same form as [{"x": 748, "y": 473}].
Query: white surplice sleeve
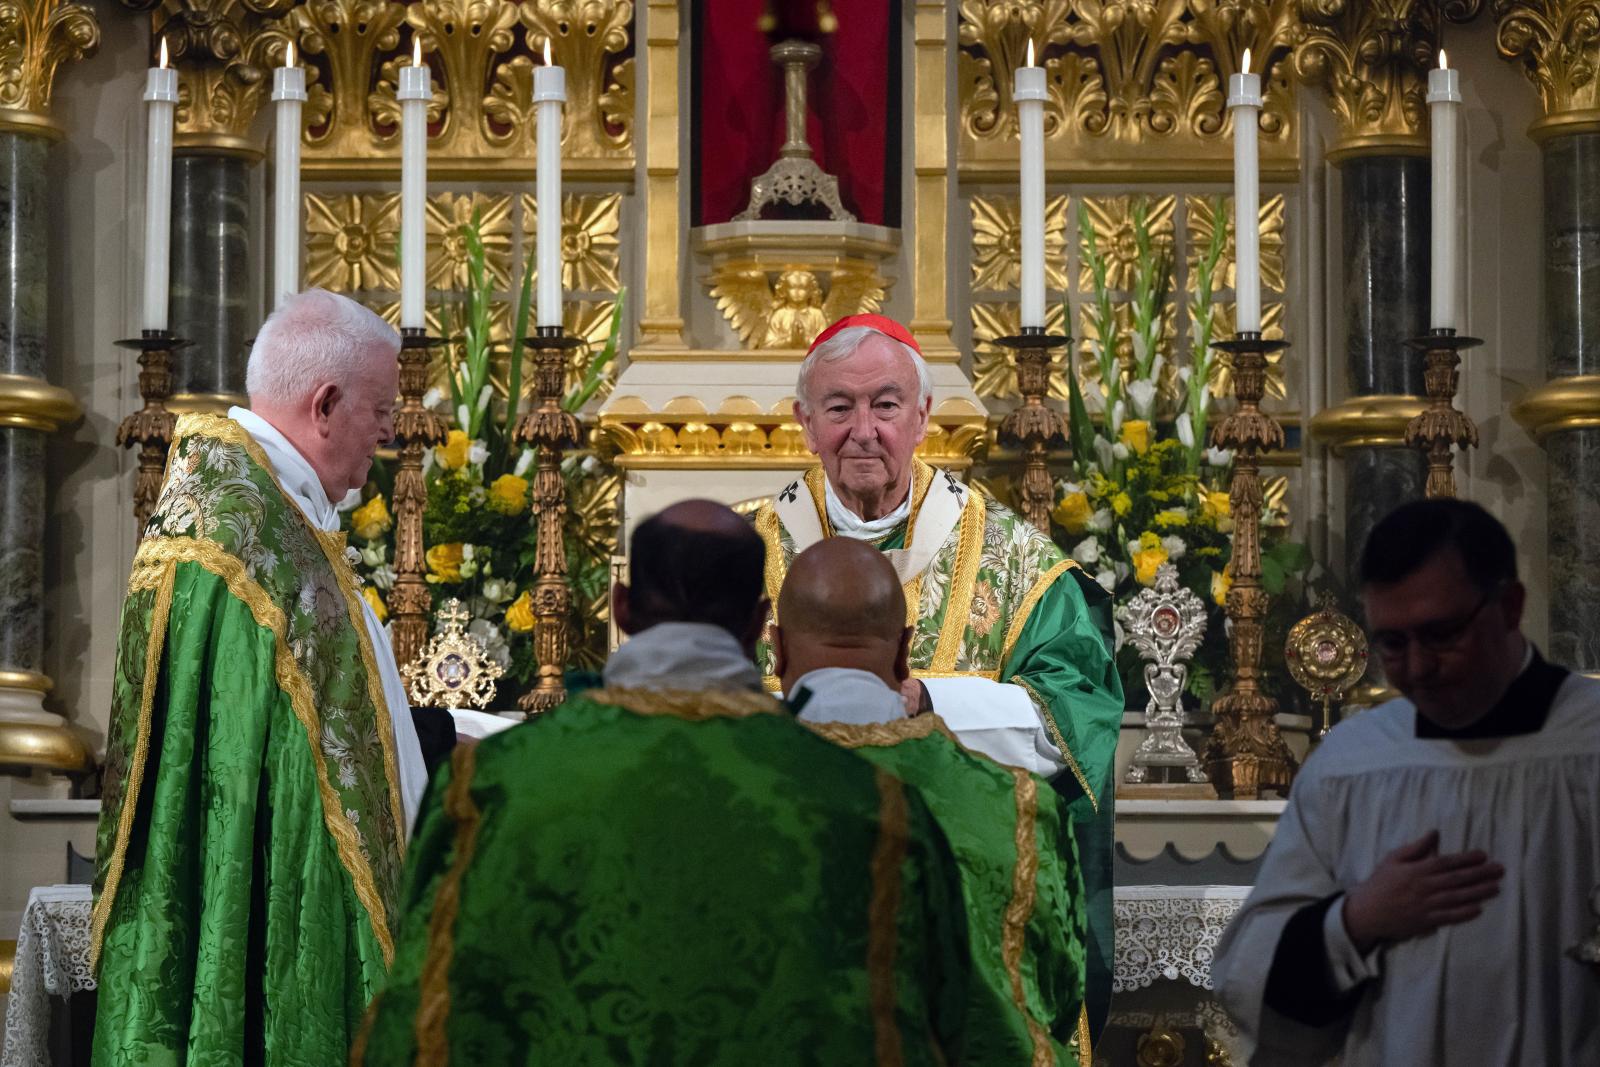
[{"x": 999, "y": 720}]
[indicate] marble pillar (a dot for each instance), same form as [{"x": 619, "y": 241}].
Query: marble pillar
[
  {"x": 1385, "y": 226},
  {"x": 1572, "y": 348},
  {"x": 210, "y": 295}
]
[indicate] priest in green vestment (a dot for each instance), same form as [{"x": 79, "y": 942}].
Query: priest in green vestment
[
  {"x": 261, "y": 760},
  {"x": 1011, "y": 642},
  {"x": 670, "y": 870},
  {"x": 841, "y": 654}
]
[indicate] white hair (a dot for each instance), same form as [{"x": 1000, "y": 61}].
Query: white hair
[
  {"x": 842, "y": 345},
  {"x": 315, "y": 337}
]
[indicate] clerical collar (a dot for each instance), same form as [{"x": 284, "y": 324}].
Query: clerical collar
[
  {"x": 295, "y": 473},
  {"x": 847, "y": 523},
  {"x": 847, "y": 695},
  {"x": 681, "y": 655},
  {"x": 1522, "y": 710}
]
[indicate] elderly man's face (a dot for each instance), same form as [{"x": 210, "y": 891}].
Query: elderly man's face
[
  {"x": 362, "y": 420},
  {"x": 865, "y": 420},
  {"x": 1448, "y": 645}
]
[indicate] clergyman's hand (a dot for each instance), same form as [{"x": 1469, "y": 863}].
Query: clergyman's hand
[{"x": 1415, "y": 891}]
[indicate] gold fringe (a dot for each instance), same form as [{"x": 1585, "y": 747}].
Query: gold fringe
[
  {"x": 1029, "y": 602},
  {"x": 141, "y": 752},
  {"x": 433, "y": 1003},
  {"x": 963, "y": 581},
  {"x": 695, "y": 705},
  {"x": 292, "y": 680},
  {"x": 880, "y": 734},
  {"x": 1024, "y": 894},
  {"x": 887, "y": 858},
  {"x": 1049, "y": 718}
]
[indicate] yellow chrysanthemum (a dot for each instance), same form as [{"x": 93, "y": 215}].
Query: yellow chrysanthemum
[
  {"x": 1122, "y": 503},
  {"x": 452, "y": 455},
  {"x": 372, "y": 519},
  {"x": 444, "y": 562},
  {"x": 1149, "y": 540},
  {"x": 1221, "y": 582},
  {"x": 1171, "y": 517},
  {"x": 375, "y": 598},
  {"x": 1136, "y": 435},
  {"x": 508, "y": 495},
  {"x": 1074, "y": 512},
  {"x": 519, "y": 616}
]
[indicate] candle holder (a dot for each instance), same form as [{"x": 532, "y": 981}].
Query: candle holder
[
  {"x": 1034, "y": 426},
  {"x": 1246, "y": 752},
  {"x": 550, "y": 430},
  {"x": 151, "y": 426},
  {"x": 415, "y": 429},
  {"x": 1441, "y": 428}
]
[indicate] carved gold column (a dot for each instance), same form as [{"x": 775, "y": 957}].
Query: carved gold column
[
  {"x": 1556, "y": 45},
  {"x": 930, "y": 155},
  {"x": 661, "y": 320},
  {"x": 1245, "y": 752},
  {"x": 550, "y": 430},
  {"x": 415, "y": 429},
  {"x": 36, "y": 38}
]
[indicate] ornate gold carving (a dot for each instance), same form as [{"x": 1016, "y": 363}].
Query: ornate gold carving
[
  {"x": 36, "y": 37},
  {"x": 36, "y": 405},
  {"x": 1560, "y": 404},
  {"x": 223, "y": 50},
  {"x": 454, "y": 671},
  {"x": 1327, "y": 654},
  {"x": 1367, "y": 422},
  {"x": 482, "y": 59},
  {"x": 353, "y": 242},
  {"x": 151, "y": 426},
  {"x": 994, "y": 372},
  {"x": 1169, "y": 388},
  {"x": 661, "y": 309},
  {"x": 929, "y": 250},
  {"x": 415, "y": 429},
  {"x": 589, "y": 241},
  {"x": 1557, "y": 44},
  {"x": 447, "y": 248},
  {"x": 996, "y": 243},
  {"x": 1151, "y": 74},
  {"x": 1199, "y": 224},
  {"x": 1370, "y": 59},
  {"x": 1112, "y": 217},
  {"x": 1441, "y": 427}
]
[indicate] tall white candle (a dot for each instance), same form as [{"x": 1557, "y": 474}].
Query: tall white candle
[
  {"x": 1244, "y": 101},
  {"x": 549, "y": 93},
  {"x": 1444, "y": 107},
  {"x": 161, "y": 93},
  {"x": 1030, "y": 94},
  {"x": 289, "y": 93},
  {"x": 413, "y": 95}
]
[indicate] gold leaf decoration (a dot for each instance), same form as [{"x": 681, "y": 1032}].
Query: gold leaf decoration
[
  {"x": 1112, "y": 217},
  {"x": 994, "y": 367},
  {"x": 589, "y": 239},
  {"x": 36, "y": 37},
  {"x": 1557, "y": 44},
  {"x": 351, "y": 37},
  {"x": 1371, "y": 59},
  {"x": 1221, "y": 365},
  {"x": 1201, "y": 223},
  {"x": 447, "y": 248},
  {"x": 590, "y": 40},
  {"x": 352, "y": 242},
  {"x": 997, "y": 244}
]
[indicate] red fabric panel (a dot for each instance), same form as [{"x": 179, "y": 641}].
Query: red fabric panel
[{"x": 740, "y": 106}]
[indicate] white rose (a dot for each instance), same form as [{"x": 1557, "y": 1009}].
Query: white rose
[
  {"x": 1087, "y": 551},
  {"x": 1175, "y": 547}
]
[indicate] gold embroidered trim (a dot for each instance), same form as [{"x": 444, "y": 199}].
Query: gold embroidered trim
[
  {"x": 1024, "y": 894},
  {"x": 1043, "y": 708},
  {"x": 332, "y": 543},
  {"x": 815, "y": 479},
  {"x": 1085, "y": 1049},
  {"x": 695, "y": 705},
  {"x": 159, "y": 613},
  {"x": 993, "y": 676},
  {"x": 880, "y": 734},
  {"x": 292, "y": 680},
  {"x": 1029, "y": 602},
  {"x": 887, "y": 857},
  {"x": 768, "y": 527},
  {"x": 963, "y": 581},
  {"x": 433, "y": 996}
]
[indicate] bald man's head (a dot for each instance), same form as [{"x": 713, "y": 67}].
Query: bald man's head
[
  {"x": 842, "y": 606},
  {"x": 696, "y": 561}
]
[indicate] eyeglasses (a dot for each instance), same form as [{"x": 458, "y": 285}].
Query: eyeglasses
[{"x": 1433, "y": 637}]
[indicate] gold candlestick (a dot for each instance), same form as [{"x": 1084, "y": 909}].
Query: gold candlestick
[
  {"x": 415, "y": 429},
  {"x": 1034, "y": 426},
  {"x": 1441, "y": 428},
  {"x": 550, "y": 430},
  {"x": 151, "y": 426},
  {"x": 1245, "y": 750}
]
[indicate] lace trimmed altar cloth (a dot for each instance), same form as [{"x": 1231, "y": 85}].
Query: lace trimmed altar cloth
[{"x": 52, "y": 961}]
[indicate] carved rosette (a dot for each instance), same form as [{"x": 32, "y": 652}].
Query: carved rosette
[{"x": 36, "y": 37}]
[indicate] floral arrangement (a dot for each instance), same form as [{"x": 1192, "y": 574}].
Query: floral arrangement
[
  {"x": 477, "y": 524},
  {"x": 1144, "y": 488}
]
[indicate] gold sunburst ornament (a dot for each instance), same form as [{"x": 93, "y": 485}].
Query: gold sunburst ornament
[
  {"x": 1327, "y": 654},
  {"x": 454, "y": 670}
]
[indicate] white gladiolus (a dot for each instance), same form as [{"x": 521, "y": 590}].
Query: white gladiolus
[
  {"x": 1094, "y": 401},
  {"x": 433, "y": 398},
  {"x": 1120, "y": 451},
  {"x": 1118, "y": 412},
  {"x": 1104, "y": 453},
  {"x": 483, "y": 396},
  {"x": 1185, "y": 430},
  {"x": 1143, "y": 395},
  {"x": 1107, "y": 580},
  {"x": 462, "y": 421},
  {"x": 1140, "y": 347},
  {"x": 1087, "y": 551},
  {"x": 589, "y": 464},
  {"x": 1219, "y": 457},
  {"x": 477, "y": 453},
  {"x": 1100, "y": 521},
  {"x": 1184, "y": 374},
  {"x": 524, "y": 461},
  {"x": 1174, "y": 546}
]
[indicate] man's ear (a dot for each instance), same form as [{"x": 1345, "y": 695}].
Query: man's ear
[
  {"x": 902, "y": 657},
  {"x": 323, "y": 403},
  {"x": 804, "y": 420},
  {"x": 621, "y": 609},
  {"x": 1512, "y": 603},
  {"x": 780, "y": 655}
]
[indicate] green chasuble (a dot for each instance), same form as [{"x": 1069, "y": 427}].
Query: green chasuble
[
  {"x": 672, "y": 878},
  {"x": 1019, "y": 880},
  {"x": 989, "y": 596},
  {"x": 250, "y": 836}
]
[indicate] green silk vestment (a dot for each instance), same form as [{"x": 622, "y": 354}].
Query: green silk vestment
[
  {"x": 1019, "y": 880},
  {"x": 251, "y": 829},
  {"x": 672, "y": 878},
  {"x": 997, "y": 599}
]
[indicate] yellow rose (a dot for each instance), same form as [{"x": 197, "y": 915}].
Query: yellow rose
[
  {"x": 1145, "y": 563},
  {"x": 453, "y": 453},
  {"x": 444, "y": 562},
  {"x": 519, "y": 616},
  {"x": 1122, "y": 503},
  {"x": 375, "y": 598},
  {"x": 372, "y": 519},
  {"x": 1136, "y": 435},
  {"x": 1214, "y": 506},
  {"x": 1074, "y": 512},
  {"x": 1221, "y": 582},
  {"x": 508, "y": 495}
]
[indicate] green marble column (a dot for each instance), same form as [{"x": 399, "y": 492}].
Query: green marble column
[
  {"x": 210, "y": 302},
  {"x": 1572, "y": 350}
]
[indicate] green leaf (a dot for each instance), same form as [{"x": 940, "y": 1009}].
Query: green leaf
[
  {"x": 1273, "y": 578},
  {"x": 1078, "y": 424}
]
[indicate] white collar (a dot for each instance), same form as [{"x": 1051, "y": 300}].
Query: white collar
[
  {"x": 847, "y": 695},
  {"x": 294, "y": 472},
  {"x": 847, "y": 523},
  {"x": 681, "y": 655}
]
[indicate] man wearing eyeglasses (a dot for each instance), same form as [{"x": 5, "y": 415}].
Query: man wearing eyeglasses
[{"x": 1428, "y": 882}]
